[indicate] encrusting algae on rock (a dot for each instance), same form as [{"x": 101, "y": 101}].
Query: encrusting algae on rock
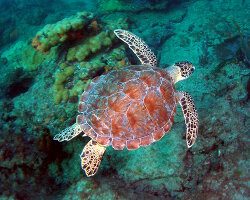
[
  {"x": 22, "y": 55},
  {"x": 83, "y": 37},
  {"x": 67, "y": 29},
  {"x": 60, "y": 79},
  {"x": 90, "y": 46}
]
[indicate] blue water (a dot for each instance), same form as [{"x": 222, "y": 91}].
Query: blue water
[{"x": 49, "y": 54}]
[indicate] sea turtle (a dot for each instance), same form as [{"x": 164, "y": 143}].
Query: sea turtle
[{"x": 131, "y": 107}]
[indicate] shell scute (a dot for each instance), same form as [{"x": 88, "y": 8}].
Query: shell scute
[
  {"x": 95, "y": 102},
  {"x": 90, "y": 86},
  {"x": 106, "y": 141},
  {"x": 104, "y": 89},
  {"x": 164, "y": 74},
  {"x": 84, "y": 96},
  {"x": 91, "y": 133},
  {"x": 167, "y": 127},
  {"x": 80, "y": 119},
  {"x": 168, "y": 93},
  {"x": 100, "y": 123},
  {"x": 135, "y": 89},
  {"x": 156, "y": 107},
  {"x": 133, "y": 144},
  {"x": 139, "y": 120},
  {"x": 130, "y": 107},
  {"x": 147, "y": 140},
  {"x": 158, "y": 134},
  {"x": 118, "y": 144},
  {"x": 119, "y": 102},
  {"x": 120, "y": 127},
  {"x": 81, "y": 107},
  {"x": 124, "y": 77},
  {"x": 150, "y": 78},
  {"x": 138, "y": 67}
]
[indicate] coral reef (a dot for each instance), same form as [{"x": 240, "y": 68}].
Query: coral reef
[
  {"x": 60, "y": 78},
  {"x": 22, "y": 55},
  {"x": 68, "y": 29},
  {"x": 101, "y": 38},
  {"x": 68, "y": 86},
  {"x": 86, "y": 62},
  {"x": 91, "y": 45}
]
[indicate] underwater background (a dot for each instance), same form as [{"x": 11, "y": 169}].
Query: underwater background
[{"x": 50, "y": 50}]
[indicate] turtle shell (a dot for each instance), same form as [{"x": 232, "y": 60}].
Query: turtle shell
[{"x": 130, "y": 107}]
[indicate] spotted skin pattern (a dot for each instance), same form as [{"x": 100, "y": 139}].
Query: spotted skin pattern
[
  {"x": 186, "y": 68},
  {"x": 91, "y": 157},
  {"x": 190, "y": 116},
  {"x": 68, "y": 133},
  {"x": 138, "y": 46},
  {"x": 130, "y": 107}
]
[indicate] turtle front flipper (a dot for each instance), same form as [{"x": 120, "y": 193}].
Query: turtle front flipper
[
  {"x": 138, "y": 46},
  {"x": 68, "y": 133},
  {"x": 190, "y": 115},
  {"x": 91, "y": 157}
]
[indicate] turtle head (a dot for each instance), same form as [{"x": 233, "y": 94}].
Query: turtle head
[{"x": 181, "y": 70}]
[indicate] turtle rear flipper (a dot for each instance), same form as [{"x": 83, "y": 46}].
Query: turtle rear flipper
[
  {"x": 91, "y": 157},
  {"x": 68, "y": 133},
  {"x": 138, "y": 46},
  {"x": 190, "y": 115}
]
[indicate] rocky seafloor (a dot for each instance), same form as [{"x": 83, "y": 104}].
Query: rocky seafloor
[{"x": 45, "y": 68}]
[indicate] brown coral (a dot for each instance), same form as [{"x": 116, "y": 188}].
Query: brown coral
[
  {"x": 68, "y": 29},
  {"x": 38, "y": 45},
  {"x": 94, "y": 25}
]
